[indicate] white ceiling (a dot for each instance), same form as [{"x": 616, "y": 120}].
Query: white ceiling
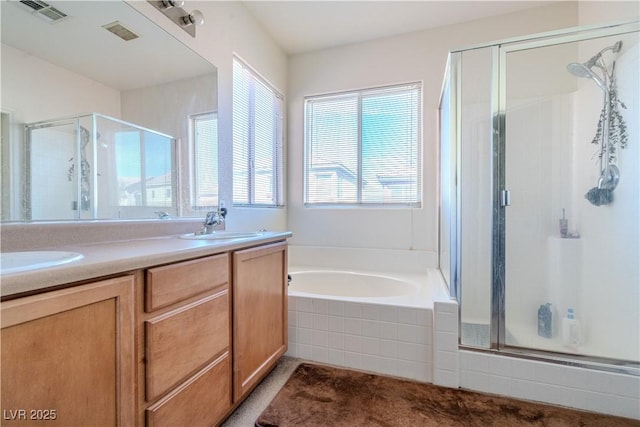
[{"x": 307, "y": 25}]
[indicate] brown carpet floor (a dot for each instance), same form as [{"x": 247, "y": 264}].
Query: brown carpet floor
[{"x": 318, "y": 395}]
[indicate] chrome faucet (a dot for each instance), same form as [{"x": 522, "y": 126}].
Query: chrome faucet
[
  {"x": 212, "y": 219},
  {"x": 163, "y": 214}
]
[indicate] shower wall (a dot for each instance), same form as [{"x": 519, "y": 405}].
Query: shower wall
[
  {"x": 50, "y": 172},
  {"x": 610, "y": 267},
  {"x": 541, "y": 267}
]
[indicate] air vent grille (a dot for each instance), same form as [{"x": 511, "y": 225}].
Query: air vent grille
[
  {"x": 35, "y": 5},
  {"x": 121, "y": 31},
  {"x": 44, "y": 10}
]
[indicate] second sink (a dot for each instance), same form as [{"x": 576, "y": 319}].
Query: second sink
[{"x": 15, "y": 262}]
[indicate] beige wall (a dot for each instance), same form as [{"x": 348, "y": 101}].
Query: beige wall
[
  {"x": 419, "y": 56},
  {"x": 35, "y": 90},
  {"x": 230, "y": 29}
]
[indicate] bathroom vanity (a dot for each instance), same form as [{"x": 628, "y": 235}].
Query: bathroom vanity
[{"x": 181, "y": 339}]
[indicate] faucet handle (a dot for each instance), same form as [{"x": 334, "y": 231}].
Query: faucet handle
[{"x": 211, "y": 218}]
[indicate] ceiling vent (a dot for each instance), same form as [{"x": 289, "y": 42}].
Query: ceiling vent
[
  {"x": 121, "y": 31},
  {"x": 44, "y": 10}
]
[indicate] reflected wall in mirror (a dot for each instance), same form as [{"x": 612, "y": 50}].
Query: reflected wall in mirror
[{"x": 134, "y": 116}]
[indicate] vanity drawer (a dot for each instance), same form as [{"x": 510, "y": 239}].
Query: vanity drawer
[
  {"x": 181, "y": 341},
  {"x": 202, "y": 401},
  {"x": 176, "y": 282}
]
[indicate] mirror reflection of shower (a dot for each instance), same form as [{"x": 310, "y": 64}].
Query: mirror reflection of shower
[
  {"x": 106, "y": 167},
  {"x": 611, "y": 131}
]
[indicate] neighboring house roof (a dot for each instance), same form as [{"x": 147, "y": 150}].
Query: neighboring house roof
[
  {"x": 151, "y": 182},
  {"x": 341, "y": 170}
]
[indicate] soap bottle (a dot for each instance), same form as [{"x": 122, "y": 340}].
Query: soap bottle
[
  {"x": 564, "y": 225},
  {"x": 571, "y": 329},
  {"x": 545, "y": 328}
]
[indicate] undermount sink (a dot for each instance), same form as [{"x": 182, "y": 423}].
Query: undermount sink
[
  {"x": 15, "y": 262},
  {"x": 221, "y": 235}
]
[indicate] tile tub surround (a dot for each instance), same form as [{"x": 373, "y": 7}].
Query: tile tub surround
[
  {"x": 587, "y": 389},
  {"x": 369, "y": 334},
  {"x": 377, "y": 338}
]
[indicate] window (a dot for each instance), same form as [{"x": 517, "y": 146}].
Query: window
[
  {"x": 143, "y": 164},
  {"x": 363, "y": 148},
  {"x": 257, "y": 140},
  {"x": 204, "y": 137}
]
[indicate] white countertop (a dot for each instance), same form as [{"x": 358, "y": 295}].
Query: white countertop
[{"x": 108, "y": 258}]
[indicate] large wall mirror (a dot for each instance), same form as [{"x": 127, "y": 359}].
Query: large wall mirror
[{"x": 104, "y": 115}]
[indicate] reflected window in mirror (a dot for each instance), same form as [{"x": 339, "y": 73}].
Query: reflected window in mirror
[
  {"x": 203, "y": 141},
  {"x": 144, "y": 165}
]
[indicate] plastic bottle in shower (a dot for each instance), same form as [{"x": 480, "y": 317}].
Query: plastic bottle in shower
[{"x": 571, "y": 329}]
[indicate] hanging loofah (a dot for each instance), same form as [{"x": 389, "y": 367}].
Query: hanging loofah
[{"x": 599, "y": 196}]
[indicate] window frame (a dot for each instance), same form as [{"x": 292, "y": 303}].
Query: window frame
[
  {"x": 360, "y": 94},
  {"x": 277, "y": 148}
]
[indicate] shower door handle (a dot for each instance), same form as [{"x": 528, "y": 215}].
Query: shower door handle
[{"x": 505, "y": 198}]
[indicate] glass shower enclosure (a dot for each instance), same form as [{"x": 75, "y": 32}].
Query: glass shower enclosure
[
  {"x": 97, "y": 167},
  {"x": 540, "y": 195}
]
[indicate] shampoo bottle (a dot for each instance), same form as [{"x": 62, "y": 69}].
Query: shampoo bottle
[{"x": 571, "y": 329}]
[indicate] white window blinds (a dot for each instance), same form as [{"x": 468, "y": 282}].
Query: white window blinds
[
  {"x": 205, "y": 148},
  {"x": 364, "y": 147},
  {"x": 257, "y": 139}
]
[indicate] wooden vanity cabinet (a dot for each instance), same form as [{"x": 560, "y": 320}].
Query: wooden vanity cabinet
[
  {"x": 185, "y": 343},
  {"x": 174, "y": 345},
  {"x": 68, "y": 356},
  {"x": 259, "y": 314}
]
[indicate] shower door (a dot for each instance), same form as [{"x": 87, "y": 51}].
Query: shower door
[{"x": 568, "y": 196}]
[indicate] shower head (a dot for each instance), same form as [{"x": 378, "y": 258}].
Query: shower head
[
  {"x": 580, "y": 70},
  {"x": 584, "y": 71}
]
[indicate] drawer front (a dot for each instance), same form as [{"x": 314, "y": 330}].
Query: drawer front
[
  {"x": 181, "y": 341},
  {"x": 202, "y": 401},
  {"x": 176, "y": 282}
]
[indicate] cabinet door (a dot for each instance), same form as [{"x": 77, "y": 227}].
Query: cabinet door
[
  {"x": 259, "y": 313},
  {"x": 68, "y": 356}
]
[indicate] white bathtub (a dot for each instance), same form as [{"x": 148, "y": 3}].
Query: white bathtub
[
  {"x": 373, "y": 321},
  {"x": 349, "y": 284},
  {"x": 403, "y": 290}
]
